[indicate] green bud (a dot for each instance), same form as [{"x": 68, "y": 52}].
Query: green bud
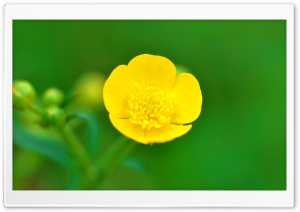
[
  {"x": 53, "y": 96},
  {"x": 23, "y": 94},
  {"x": 53, "y": 115}
]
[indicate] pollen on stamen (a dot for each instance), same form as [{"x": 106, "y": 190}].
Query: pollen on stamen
[{"x": 150, "y": 107}]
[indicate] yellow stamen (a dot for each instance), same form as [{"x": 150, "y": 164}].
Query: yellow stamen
[{"x": 150, "y": 107}]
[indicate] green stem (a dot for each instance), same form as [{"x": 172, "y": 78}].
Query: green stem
[
  {"x": 109, "y": 161},
  {"x": 115, "y": 162},
  {"x": 76, "y": 147},
  {"x": 72, "y": 141},
  {"x": 35, "y": 109}
]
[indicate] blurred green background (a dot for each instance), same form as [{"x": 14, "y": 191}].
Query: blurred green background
[{"x": 237, "y": 143}]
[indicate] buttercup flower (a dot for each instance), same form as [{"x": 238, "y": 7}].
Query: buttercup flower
[{"x": 148, "y": 103}]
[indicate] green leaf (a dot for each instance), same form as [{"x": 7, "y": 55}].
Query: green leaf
[
  {"x": 69, "y": 97},
  {"x": 74, "y": 180},
  {"x": 93, "y": 128},
  {"x": 50, "y": 147},
  {"x": 134, "y": 163}
]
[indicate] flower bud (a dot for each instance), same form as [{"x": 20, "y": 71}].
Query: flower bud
[
  {"x": 23, "y": 94},
  {"x": 53, "y": 96},
  {"x": 89, "y": 90},
  {"x": 53, "y": 115}
]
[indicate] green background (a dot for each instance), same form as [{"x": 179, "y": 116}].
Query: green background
[{"x": 237, "y": 143}]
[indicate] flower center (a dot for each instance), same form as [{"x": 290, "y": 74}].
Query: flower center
[{"x": 150, "y": 107}]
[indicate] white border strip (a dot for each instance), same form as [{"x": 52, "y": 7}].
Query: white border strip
[
  {"x": 148, "y": 198},
  {"x": 147, "y": 11}
]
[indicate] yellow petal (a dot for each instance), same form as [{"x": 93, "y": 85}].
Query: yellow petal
[
  {"x": 127, "y": 128},
  {"x": 151, "y": 70},
  {"x": 166, "y": 133},
  {"x": 161, "y": 135},
  {"x": 116, "y": 90},
  {"x": 188, "y": 99}
]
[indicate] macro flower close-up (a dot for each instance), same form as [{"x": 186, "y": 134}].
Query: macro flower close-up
[
  {"x": 148, "y": 103},
  {"x": 121, "y": 108}
]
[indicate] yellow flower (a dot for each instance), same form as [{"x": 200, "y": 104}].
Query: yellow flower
[{"x": 148, "y": 103}]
